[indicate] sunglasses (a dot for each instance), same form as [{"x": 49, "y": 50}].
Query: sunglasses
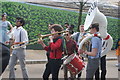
[
  {"x": 66, "y": 34},
  {"x": 18, "y": 20},
  {"x": 91, "y": 27}
]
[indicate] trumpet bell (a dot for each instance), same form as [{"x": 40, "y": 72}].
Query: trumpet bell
[
  {"x": 90, "y": 16},
  {"x": 102, "y": 20}
]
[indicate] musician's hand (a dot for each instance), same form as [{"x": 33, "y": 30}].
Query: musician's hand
[
  {"x": 51, "y": 38},
  {"x": 63, "y": 53},
  {"x": 7, "y": 42},
  {"x": 8, "y": 32},
  {"x": 80, "y": 51},
  {"x": 40, "y": 41}
]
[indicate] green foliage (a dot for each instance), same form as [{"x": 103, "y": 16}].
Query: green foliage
[
  {"x": 37, "y": 18},
  {"x": 113, "y": 29}
]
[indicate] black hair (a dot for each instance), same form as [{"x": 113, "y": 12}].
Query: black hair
[
  {"x": 21, "y": 20},
  {"x": 4, "y": 14},
  {"x": 66, "y": 23},
  {"x": 72, "y": 26},
  {"x": 57, "y": 27},
  {"x": 96, "y": 26},
  {"x": 51, "y": 23}
]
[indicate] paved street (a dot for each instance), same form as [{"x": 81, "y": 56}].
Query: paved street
[{"x": 36, "y": 70}]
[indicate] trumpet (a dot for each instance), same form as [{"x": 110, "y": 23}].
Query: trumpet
[
  {"x": 33, "y": 41},
  {"x": 43, "y": 36}
]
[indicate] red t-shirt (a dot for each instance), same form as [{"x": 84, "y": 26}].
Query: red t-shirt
[
  {"x": 55, "y": 49},
  {"x": 71, "y": 47}
]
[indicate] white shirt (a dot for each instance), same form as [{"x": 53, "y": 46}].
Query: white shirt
[
  {"x": 80, "y": 36},
  {"x": 20, "y": 31}
]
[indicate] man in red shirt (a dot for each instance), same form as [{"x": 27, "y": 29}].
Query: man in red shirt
[{"x": 55, "y": 48}]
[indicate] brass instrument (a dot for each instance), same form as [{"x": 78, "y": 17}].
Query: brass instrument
[
  {"x": 95, "y": 16},
  {"x": 33, "y": 41},
  {"x": 86, "y": 43}
]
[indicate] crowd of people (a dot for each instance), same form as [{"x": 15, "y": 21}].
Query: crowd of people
[{"x": 59, "y": 46}]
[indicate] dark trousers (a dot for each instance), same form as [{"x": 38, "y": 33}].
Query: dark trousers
[
  {"x": 72, "y": 77},
  {"x": 103, "y": 69},
  {"x": 47, "y": 54},
  {"x": 4, "y": 57},
  {"x": 52, "y": 67}
]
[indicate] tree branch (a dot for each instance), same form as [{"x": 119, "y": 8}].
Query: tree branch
[
  {"x": 85, "y": 2},
  {"x": 76, "y": 3}
]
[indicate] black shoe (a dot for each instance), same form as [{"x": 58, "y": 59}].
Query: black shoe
[
  {"x": 15, "y": 68},
  {"x": 11, "y": 78},
  {"x": 118, "y": 69}
]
